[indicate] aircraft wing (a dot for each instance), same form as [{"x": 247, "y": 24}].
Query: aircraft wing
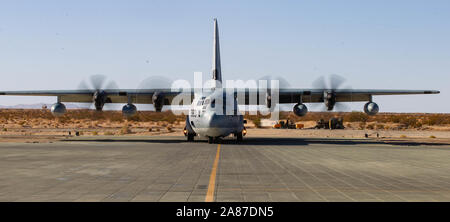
[
  {"x": 293, "y": 95},
  {"x": 343, "y": 95},
  {"x": 144, "y": 96}
]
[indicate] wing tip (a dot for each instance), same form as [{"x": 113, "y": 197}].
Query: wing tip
[{"x": 432, "y": 92}]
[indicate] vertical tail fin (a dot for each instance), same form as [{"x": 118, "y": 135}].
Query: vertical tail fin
[{"x": 216, "y": 70}]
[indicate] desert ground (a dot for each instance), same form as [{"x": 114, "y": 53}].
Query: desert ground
[{"x": 40, "y": 126}]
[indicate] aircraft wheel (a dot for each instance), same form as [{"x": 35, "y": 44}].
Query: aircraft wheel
[
  {"x": 190, "y": 137},
  {"x": 239, "y": 137}
]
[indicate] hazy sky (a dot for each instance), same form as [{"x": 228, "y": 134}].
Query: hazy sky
[{"x": 373, "y": 44}]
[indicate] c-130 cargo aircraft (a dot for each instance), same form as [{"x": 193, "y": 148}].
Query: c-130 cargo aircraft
[{"x": 207, "y": 116}]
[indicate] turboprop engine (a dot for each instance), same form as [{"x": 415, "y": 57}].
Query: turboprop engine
[
  {"x": 158, "y": 101},
  {"x": 300, "y": 109},
  {"x": 129, "y": 110},
  {"x": 371, "y": 108},
  {"x": 99, "y": 98},
  {"x": 58, "y": 109},
  {"x": 329, "y": 99}
]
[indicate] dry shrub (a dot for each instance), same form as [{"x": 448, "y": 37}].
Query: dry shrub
[
  {"x": 82, "y": 117},
  {"x": 169, "y": 129},
  {"x": 94, "y": 133},
  {"x": 108, "y": 133},
  {"x": 362, "y": 125},
  {"x": 395, "y": 119},
  {"x": 256, "y": 119},
  {"x": 125, "y": 129},
  {"x": 356, "y": 117},
  {"x": 408, "y": 121},
  {"x": 432, "y": 137},
  {"x": 437, "y": 119},
  {"x": 257, "y": 122},
  {"x": 136, "y": 118},
  {"x": 116, "y": 118}
]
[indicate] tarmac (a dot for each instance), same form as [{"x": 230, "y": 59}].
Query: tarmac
[{"x": 131, "y": 168}]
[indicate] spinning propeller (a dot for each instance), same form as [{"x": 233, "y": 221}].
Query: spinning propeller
[
  {"x": 153, "y": 82},
  {"x": 98, "y": 84},
  {"x": 329, "y": 92}
]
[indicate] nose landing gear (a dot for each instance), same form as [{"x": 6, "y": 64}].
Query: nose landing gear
[
  {"x": 239, "y": 137},
  {"x": 214, "y": 140}
]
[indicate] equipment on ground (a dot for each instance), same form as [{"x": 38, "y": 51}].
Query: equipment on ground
[
  {"x": 287, "y": 125},
  {"x": 333, "y": 123}
]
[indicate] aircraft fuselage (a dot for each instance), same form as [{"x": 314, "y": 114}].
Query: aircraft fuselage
[{"x": 214, "y": 115}]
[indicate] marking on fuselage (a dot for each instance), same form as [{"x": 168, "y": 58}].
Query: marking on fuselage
[{"x": 212, "y": 178}]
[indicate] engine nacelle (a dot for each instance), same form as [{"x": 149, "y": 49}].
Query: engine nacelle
[
  {"x": 158, "y": 101},
  {"x": 271, "y": 105},
  {"x": 329, "y": 99},
  {"x": 99, "y": 98},
  {"x": 300, "y": 109},
  {"x": 129, "y": 110},
  {"x": 58, "y": 109},
  {"x": 268, "y": 101},
  {"x": 371, "y": 108}
]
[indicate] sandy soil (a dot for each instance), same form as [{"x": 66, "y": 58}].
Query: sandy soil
[
  {"x": 39, "y": 135},
  {"x": 40, "y": 126}
]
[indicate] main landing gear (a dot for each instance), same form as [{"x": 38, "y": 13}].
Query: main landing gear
[
  {"x": 189, "y": 136},
  {"x": 240, "y": 136}
]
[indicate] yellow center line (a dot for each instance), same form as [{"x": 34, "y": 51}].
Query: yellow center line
[{"x": 212, "y": 178}]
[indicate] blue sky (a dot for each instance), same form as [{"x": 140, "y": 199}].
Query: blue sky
[{"x": 373, "y": 44}]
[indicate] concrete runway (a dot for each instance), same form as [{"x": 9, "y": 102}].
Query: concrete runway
[{"x": 170, "y": 169}]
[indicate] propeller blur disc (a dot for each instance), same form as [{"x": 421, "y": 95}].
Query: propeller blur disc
[{"x": 96, "y": 82}]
